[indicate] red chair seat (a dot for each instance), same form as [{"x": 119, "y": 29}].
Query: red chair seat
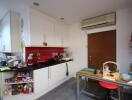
[{"x": 108, "y": 85}]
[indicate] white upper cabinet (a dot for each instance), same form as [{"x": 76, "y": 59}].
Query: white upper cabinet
[
  {"x": 58, "y": 34},
  {"x": 10, "y": 36},
  {"x": 45, "y": 29}
]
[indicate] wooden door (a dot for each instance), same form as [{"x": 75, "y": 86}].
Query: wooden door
[{"x": 101, "y": 48}]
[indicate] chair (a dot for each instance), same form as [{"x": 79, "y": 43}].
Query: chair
[{"x": 107, "y": 85}]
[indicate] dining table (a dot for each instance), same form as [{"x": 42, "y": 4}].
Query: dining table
[{"x": 85, "y": 75}]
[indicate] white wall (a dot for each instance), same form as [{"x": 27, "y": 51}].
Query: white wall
[
  {"x": 78, "y": 41},
  {"x": 124, "y": 31},
  {"x": 23, "y": 9},
  {"x": 15, "y": 31},
  {"x": 78, "y": 45},
  {"x": 0, "y": 37},
  {"x": 5, "y": 33}
]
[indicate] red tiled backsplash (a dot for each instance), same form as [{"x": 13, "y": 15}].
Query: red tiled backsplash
[{"x": 45, "y": 52}]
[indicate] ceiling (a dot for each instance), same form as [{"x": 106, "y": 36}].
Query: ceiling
[{"x": 75, "y": 10}]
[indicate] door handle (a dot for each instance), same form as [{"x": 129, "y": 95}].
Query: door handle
[{"x": 90, "y": 58}]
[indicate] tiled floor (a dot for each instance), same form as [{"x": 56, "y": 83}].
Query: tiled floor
[{"x": 67, "y": 91}]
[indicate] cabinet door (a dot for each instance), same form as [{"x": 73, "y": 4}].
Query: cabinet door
[
  {"x": 58, "y": 34},
  {"x": 41, "y": 29},
  {"x": 71, "y": 69},
  {"x": 53, "y": 75},
  {"x": 49, "y": 33},
  {"x": 57, "y": 73},
  {"x": 36, "y": 28},
  {"x": 61, "y": 34},
  {"x": 62, "y": 71},
  {"x": 40, "y": 80}
]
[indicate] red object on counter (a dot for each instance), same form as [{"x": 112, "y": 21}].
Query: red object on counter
[{"x": 44, "y": 52}]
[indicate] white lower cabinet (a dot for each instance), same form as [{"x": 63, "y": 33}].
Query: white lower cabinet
[
  {"x": 46, "y": 79},
  {"x": 57, "y": 73},
  {"x": 40, "y": 81}
]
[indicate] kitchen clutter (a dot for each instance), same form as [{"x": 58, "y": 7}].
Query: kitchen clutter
[
  {"x": 20, "y": 83},
  {"x": 47, "y": 55},
  {"x": 30, "y": 60},
  {"x": 11, "y": 60},
  {"x": 3, "y": 58},
  {"x": 67, "y": 55},
  {"x": 126, "y": 77},
  {"x": 34, "y": 56},
  {"x": 20, "y": 77},
  {"x": 18, "y": 89},
  {"x": 111, "y": 70}
]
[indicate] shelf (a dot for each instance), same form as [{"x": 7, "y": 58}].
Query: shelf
[
  {"x": 18, "y": 83},
  {"x": 23, "y": 76},
  {"x": 19, "y": 95}
]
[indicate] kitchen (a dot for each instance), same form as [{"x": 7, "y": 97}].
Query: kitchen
[{"x": 39, "y": 30}]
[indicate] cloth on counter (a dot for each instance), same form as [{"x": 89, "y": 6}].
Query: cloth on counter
[
  {"x": 89, "y": 69},
  {"x": 4, "y": 68}
]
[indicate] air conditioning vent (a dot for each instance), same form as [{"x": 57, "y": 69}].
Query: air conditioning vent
[{"x": 100, "y": 21}]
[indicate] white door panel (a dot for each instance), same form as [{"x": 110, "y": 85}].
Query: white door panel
[{"x": 40, "y": 80}]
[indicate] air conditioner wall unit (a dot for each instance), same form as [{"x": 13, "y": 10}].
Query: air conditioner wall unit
[{"x": 99, "y": 21}]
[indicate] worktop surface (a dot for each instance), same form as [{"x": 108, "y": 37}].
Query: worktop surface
[{"x": 35, "y": 66}]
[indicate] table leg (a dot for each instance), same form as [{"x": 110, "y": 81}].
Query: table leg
[
  {"x": 78, "y": 86},
  {"x": 1, "y": 86},
  {"x": 119, "y": 93}
]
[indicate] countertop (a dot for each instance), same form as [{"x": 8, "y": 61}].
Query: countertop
[{"x": 36, "y": 66}]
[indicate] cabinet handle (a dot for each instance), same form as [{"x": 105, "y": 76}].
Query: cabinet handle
[
  {"x": 67, "y": 71},
  {"x": 49, "y": 73},
  {"x": 90, "y": 58}
]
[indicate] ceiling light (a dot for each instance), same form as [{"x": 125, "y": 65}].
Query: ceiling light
[
  {"x": 35, "y": 3},
  {"x": 62, "y": 18}
]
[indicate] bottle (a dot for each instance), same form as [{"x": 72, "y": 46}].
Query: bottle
[
  {"x": 25, "y": 89},
  {"x": 5, "y": 91},
  {"x": 30, "y": 88}
]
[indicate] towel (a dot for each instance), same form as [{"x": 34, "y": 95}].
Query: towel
[
  {"x": 4, "y": 68},
  {"x": 89, "y": 69}
]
